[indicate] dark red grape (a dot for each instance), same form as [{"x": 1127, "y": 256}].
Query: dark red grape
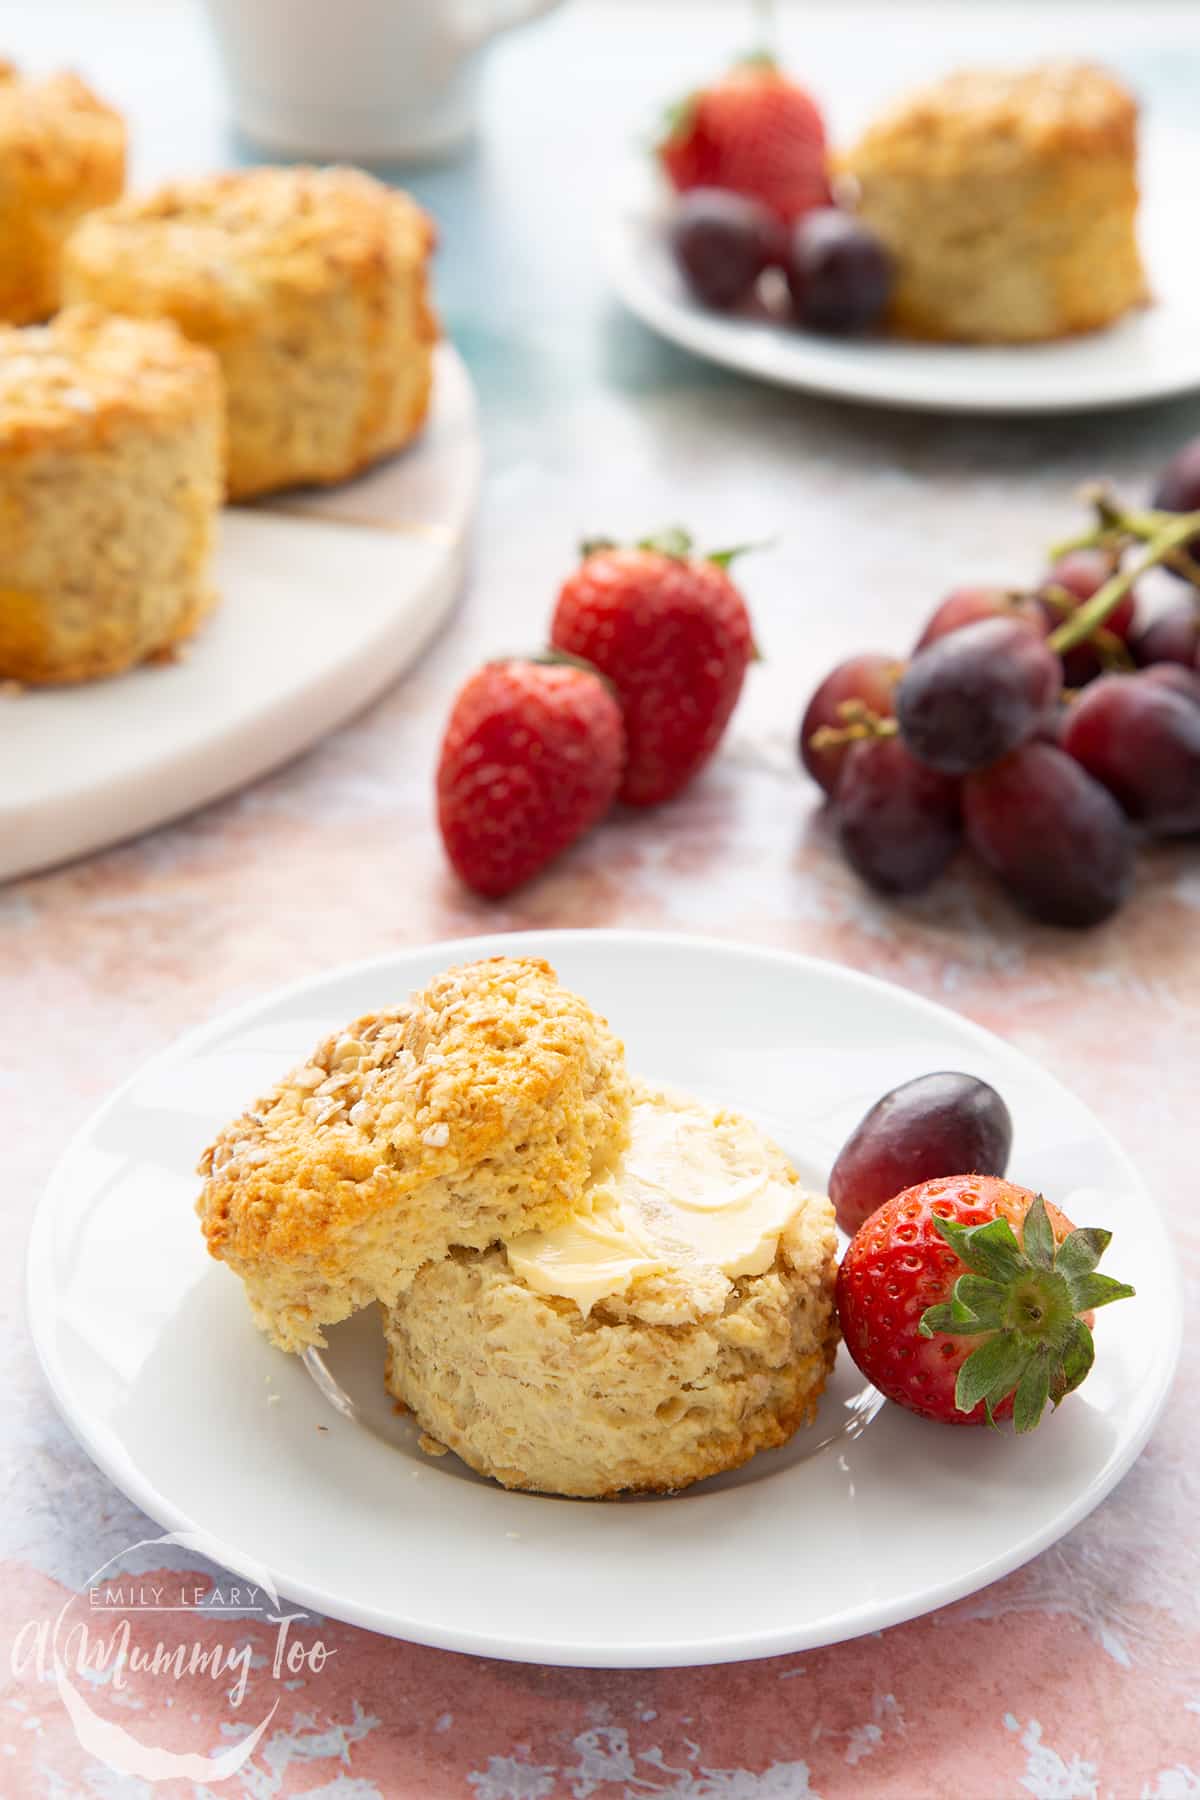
[
  {"x": 1175, "y": 676},
  {"x": 1174, "y": 636},
  {"x": 967, "y": 605},
  {"x": 839, "y": 274},
  {"x": 945, "y": 1124},
  {"x": 1083, "y": 573},
  {"x": 898, "y": 821},
  {"x": 871, "y": 679},
  {"x": 975, "y": 695},
  {"x": 722, "y": 242},
  {"x": 1051, "y": 727},
  {"x": 1178, "y": 489},
  {"x": 1143, "y": 742},
  {"x": 1057, "y": 839}
]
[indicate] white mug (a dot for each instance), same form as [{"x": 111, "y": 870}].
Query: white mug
[{"x": 360, "y": 80}]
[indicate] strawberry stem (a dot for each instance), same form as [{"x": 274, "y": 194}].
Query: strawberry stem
[{"x": 1024, "y": 1299}]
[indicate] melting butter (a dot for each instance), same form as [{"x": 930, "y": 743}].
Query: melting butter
[{"x": 694, "y": 1189}]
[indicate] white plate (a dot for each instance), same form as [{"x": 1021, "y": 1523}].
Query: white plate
[
  {"x": 326, "y": 598},
  {"x": 869, "y": 1517},
  {"x": 1148, "y": 355}
]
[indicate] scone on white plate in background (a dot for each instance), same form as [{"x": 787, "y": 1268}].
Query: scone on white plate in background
[
  {"x": 111, "y": 459},
  {"x": 682, "y": 1320},
  {"x": 1009, "y": 203},
  {"x": 311, "y": 285},
  {"x": 62, "y": 152},
  {"x": 481, "y": 1108}
]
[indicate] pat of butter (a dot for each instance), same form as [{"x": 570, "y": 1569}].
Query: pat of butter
[{"x": 693, "y": 1189}]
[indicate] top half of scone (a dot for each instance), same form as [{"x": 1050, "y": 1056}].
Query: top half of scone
[
  {"x": 251, "y": 250},
  {"x": 477, "y": 1110},
  {"x": 57, "y": 140},
  {"x": 976, "y": 120}
]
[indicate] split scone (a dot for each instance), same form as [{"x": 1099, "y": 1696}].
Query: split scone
[
  {"x": 110, "y": 482},
  {"x": 1009, "y": 203},
  {"x": 480, "y": 1109},
  {"x": 62, "y": 152},
  {"x": 310, "y": 285},
  {"x": 682, "y": 1319}
]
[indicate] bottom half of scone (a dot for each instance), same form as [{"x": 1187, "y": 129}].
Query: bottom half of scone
[
  {"x": 1023, "y": 256},
  {"x": 108, "y": 551},
  {"x": 528, "y": 1389},
  {"x": 360, "y": 390}
]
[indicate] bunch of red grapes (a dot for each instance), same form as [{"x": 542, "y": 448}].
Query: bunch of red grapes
[{"x": 1047, "y": 728}]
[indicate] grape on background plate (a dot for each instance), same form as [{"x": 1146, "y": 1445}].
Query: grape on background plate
[
  {"x": 1173, "y": 636},
  {"x": 971, "y": 697},
  {"x": 1081, "y": 574},
  {"x": 839, "y": 274},
  {"x": 942, "y": 1124},
  {"x": 1142, "y": 741},
  {"x": 1055, "y": 837},
  {"x": 721, "y": 243},
  {"x": 967, "y": 605},
  {"x": 1178, "y": 489},
  {"x": 868, "y": 680},
  {"x": 899, "y": 822}
]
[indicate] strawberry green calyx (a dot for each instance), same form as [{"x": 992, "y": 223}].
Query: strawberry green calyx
[
  {"x": 677, "y": 120},
  {"x": 724, "y": 559},
  {"x": 675, "y": 542},
  {"x": 758, "y": 62},
  {"x": 1025, "y": 1299}
]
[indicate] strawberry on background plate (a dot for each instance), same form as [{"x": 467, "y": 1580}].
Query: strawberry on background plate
[
  {"x": 531, "y": 759},
  {"x": 671, "y": 632},
  {"x": 754, "y": 132},
  {"x": 969, "y": 1299}
]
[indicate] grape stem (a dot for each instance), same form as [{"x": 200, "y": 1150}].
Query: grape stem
[
  {"x": 858, "y": 724},
  {"x": 1109, "y": 647},
  {"x": 1160, "y": 544},
  {"x": 1117, "y": 526}
]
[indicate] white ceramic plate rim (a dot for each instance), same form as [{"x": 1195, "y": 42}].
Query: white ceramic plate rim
[
  {"x": 935, "y": 378},
  {"x": 667, "y": 1652}
]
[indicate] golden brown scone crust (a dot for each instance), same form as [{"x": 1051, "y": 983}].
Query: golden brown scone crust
[
  {"x": 310, "y": 284},
  {"x": 680, "y": 1378},
  {"x": 1009, "y": 202},
  {"x": 476, "y": 1110},
  {"x": 111, "y": 459},
  {"x": 62, "y": 152}
]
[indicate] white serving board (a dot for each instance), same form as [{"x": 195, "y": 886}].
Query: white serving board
[{"x": 326, "y": 599}]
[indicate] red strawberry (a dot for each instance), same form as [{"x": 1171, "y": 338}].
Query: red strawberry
[
  {"x": 672, "y": 634},
  {"x": 952, "y": 1317},
  {"x": 531, "y": 758},
  {"x": 754, "y": 132}
]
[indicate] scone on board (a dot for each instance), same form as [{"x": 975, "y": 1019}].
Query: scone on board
[
  {"x": 110, "y": 482},
  {"x": 1009, "y": 203},
  {"x": 62, "y": 152},
  {"x": 479, "y": 1109},
  {"x": 310, "y": 284},
  {"x": 682, "y": 1320}
]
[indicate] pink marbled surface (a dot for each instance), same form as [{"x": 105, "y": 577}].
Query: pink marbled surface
[{"x": 1078, "y": 1678}]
